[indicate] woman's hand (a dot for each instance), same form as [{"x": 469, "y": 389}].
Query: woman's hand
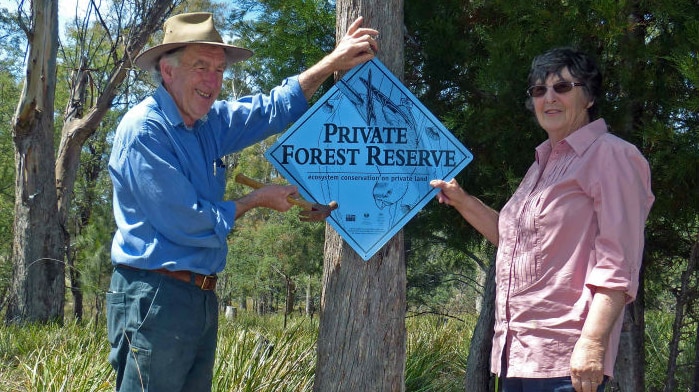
[
  {"x": 587, "y": 360},
  {"x": 587, "y": 364},
  {"x": 481, "y": 217}
]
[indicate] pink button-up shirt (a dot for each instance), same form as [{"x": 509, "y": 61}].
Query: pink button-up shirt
[{"x": 575, "y": 223}]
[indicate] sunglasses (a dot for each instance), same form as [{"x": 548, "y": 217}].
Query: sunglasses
[{"x": 539, "y": 90}]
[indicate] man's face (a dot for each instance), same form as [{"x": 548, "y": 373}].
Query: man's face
[{"x": 195, "y": 83}]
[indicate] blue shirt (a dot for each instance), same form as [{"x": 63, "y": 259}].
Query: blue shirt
[{"x": 169, "y": 180}]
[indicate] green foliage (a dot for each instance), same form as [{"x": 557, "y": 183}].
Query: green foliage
[
  {"x": 13, "y": 44},
  {"x": 257, "y": 353},
  {"x": 437, "y": 349},
  {"x": 265, "y": 358},
  {"x": 54, "y": 358},
  {"x": 266, "y": 246},
  {"x": 287, "y": 37},
  {"x": 254, "y": 354},
  {"x": 443, "y": 279},
  {"x": 658, "y": 334}
]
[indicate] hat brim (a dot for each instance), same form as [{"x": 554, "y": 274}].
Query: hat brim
[{"x": 148, "y": 58}]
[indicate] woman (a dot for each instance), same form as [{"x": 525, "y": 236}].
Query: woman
[{"x": 570, "y": 239}]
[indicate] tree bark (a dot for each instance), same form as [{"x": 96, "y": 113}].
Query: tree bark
[
  {"x": 629, "y": 366},
  {"x": 37, "y": 293},
  {"x": 361, "y": 342},
  {"x": 478, "y": 375},
  {"x": 694, "y": 260}
]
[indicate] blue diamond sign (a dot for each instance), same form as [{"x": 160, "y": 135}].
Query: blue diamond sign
[{"x": 372, "y": 147}]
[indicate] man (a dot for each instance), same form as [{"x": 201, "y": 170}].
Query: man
[{"x": 169, "y": 182}]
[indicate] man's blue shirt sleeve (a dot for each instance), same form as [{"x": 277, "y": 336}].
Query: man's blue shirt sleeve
[{"x": 169, "y": 183}]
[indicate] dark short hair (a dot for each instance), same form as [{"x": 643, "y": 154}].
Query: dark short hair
[{"x": 580, "y": 65}]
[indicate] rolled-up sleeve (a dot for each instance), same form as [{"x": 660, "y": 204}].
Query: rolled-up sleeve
[{"x": 622, "y": 200}]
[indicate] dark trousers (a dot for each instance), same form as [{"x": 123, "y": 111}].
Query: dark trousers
[{"x": 162, "y": 332}]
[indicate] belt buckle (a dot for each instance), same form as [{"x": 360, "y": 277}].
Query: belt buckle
[{"x": 203, "y": 282}]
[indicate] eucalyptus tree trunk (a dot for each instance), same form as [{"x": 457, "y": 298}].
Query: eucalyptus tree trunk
[
  {"x": 478, "y": 375},
  {"x": 45, "y": 181},
  {"x": 37, "y": 289},
  {"x": 629, "y": 366},
  {"x": 361, "y": 342}
]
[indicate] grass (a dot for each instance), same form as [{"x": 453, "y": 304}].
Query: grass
[
  {"x": 254, "y": 354},
  {"x": 54, "y": 358},
  {"x": 258, "y": 354},
  {"x": 437, "y": 350}
]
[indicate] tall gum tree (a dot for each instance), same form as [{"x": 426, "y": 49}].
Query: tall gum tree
[
  {"x": 361, "y": 342},
  {"x": 37, "y": 289},
  {"x": 45, "y": 181}
]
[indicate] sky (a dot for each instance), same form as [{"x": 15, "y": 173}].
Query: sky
[{"x": 66, "y": 9}]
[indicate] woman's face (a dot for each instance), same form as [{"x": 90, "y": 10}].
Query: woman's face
[{"x": 561, "y": 114}]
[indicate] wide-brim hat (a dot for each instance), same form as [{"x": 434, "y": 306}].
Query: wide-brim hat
[{"x": 185, "y": 29}]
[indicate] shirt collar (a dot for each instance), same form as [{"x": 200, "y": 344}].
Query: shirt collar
[{"x": 579, "y": 140}]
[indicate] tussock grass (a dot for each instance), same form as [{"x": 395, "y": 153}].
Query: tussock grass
[
  {"x": 254, "y": 354},
  {"x": 262, "y": 356},
  {"x": 52, "y": 357},
  {"x": 437, "y": 350}
]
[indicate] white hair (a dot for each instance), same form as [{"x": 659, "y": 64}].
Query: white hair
[{"x": 172, "y": 58}]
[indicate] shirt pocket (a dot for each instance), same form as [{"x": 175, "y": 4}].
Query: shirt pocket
[
  {"x": 220, "y": 175},
  {"x": 116, "y": 315}
]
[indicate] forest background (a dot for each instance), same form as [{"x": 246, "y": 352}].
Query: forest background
[{"x": 467, "y": 61}]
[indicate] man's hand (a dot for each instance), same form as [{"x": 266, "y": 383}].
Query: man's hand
[
  {"x": 356, "y": 47},
  {"x": 269, "y": 196}
]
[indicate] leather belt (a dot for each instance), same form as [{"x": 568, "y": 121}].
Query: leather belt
[{"x": 204, "y": 282}]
